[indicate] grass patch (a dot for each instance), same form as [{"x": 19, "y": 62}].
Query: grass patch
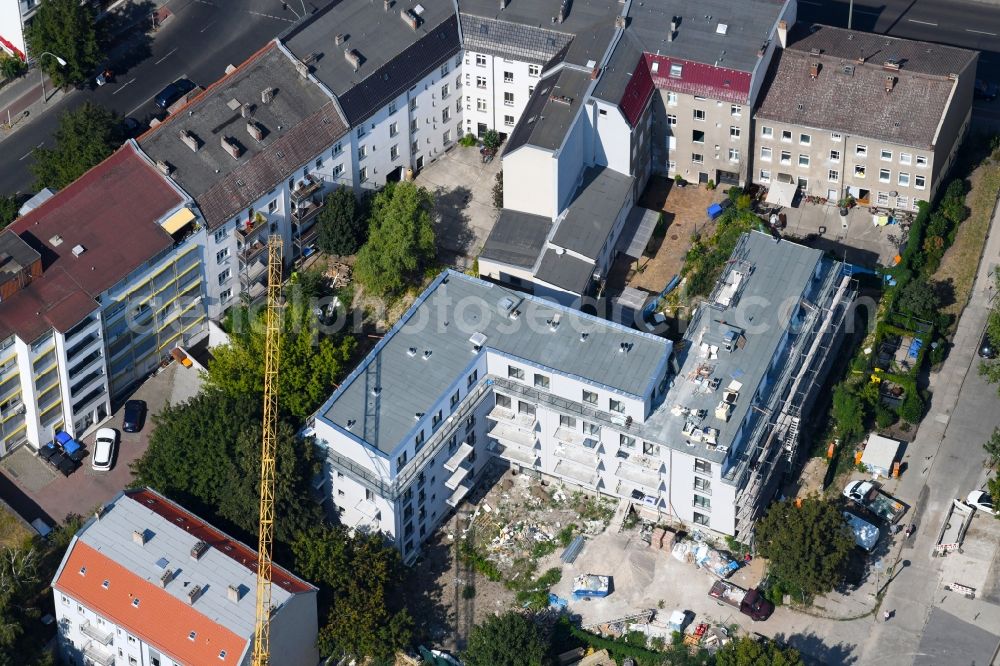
[{"x": 13, "y": 533}]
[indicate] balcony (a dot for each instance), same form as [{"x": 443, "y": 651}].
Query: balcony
[
  {"x": 368, "y": 510},
  {"x": 577, "y": 472},
  {"x": 508, "y": 433},
  {"x": 97, "y": 633},
  {"x": 567, "y": 436},
  {"x": 579, "y": 455},
  {"x": 255, "y": 291},
  {"x": 254, "y": 270},
  {"x": 455, "y": 479},
  {"x": 515, "y": 454},
  {"x": 519, "y": 419},
  {"x": 251, "y": 228},
  {"x": 457, "y": 496},
  {"x": 305, "y": 211},
  {"x": 641, "y": 476},
  {"x": 98, "y": 656},
  {"x": 458, "y": 458},
  {"x": 305, "y": 188},
  {"x": 252, "y": 250}
]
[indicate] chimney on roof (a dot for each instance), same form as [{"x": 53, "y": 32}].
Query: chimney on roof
[
  {"x": 78, "y": 250},
  {"x": 198, "y": 550},
  {"x": 620, "y": 22},
  {"x": 245, "y": 110},
  {"x": 891, "y": 65},
  {"x": 814, "y": 70},
  {"x": 139, "y": 537},
  {"x": 386, "y": 4},
  {"x": 255, "y": 130},
  {"x": 503, "y": 5},
  {"x": 190, "y": 140},
  {"x": 166, "y": 577},
  {"x": 302, "y": 69},
  {"x": 163, "y": 167},
  {"x": 193, "y": 594},
  {"x": 101, "y": 511},
  {"x": 783, "y": 33},
  {"x": 338, "y": 39},
  {"x": 352, "y": 56},
  {"x": 229, "y": 145},
  {"x": 233, "y": 594},
  {"x": 410, "y": 18},
  {"x": 564, "y": 12},
  {"x": 266, "y": 95},
  {"x": 890, "y": 83}
]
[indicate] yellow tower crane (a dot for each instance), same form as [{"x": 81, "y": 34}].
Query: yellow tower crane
[{"x": 272, "y": 340}]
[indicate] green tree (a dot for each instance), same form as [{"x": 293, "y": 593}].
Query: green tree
[
  {"x": 992, "y": 447},
  {"x": 746, "y": 651},
  {"x": 8, "y": 209},
  {"x": 917, "y": 297},
  {"x": 498, "y": 190},
  {"x": 67, "y": 29},
  {"x": 11, "y": 67},
  {"x": 807, "y": 545},
  {"x": 848, "y": 413},
  {"x": 510, "y": 639},
  {"x": 85, "y": 136},
  {"x": 343, "y": 227},
  {"x": 993, "y": 488},
  {"x": 309, "y": 364},
  {"x": 400, "y": 240}
]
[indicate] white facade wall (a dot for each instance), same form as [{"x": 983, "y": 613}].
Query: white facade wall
[
  {"x": 611, "y": 136},
  {"x": 529, "y": 181},
  {"x": 487, "y": 78},
  {"x": 572, "y": 159},
  {"x": 86, "y": 394}
]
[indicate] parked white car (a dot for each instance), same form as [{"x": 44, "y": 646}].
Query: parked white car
[
  {"x": 104, "y": 449},
  {"x": 981, "y": 501}
]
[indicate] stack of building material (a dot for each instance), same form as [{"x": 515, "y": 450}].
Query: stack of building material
[{"x": 663, "y": 539}]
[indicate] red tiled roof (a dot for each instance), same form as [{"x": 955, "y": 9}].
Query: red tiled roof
[
  {"x": 697, "y": 78},
  {"x": 195, "y": 526},
  {"x": 111, "y": 211},
  {"x": 160, "y": 619},
  {"x": 637, "y": 92}
]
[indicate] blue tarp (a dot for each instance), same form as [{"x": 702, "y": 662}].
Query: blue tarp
[{"x": 915, "y": 348}]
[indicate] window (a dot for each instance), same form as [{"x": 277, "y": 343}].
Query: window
[
  {"x": 902, "y": 203},
  {"x": 626, "y": 442},
  {"x": 224, "y": 276},
  {"x": 697, "y": 158},
  {"x": 394, "y": 152},
  {"x": 767, "y": 132},
  {"x": 567, "y": 421},
  {"x": 672, "y": 166},
  {"x": 699, "y": 114},
  {"x": 591, "y": 429},
  {"x": 503, "y": 400},
  {"x": 531, "y": 89},
  {"x": 859, "y": 170},
  {"x": 885, "y": 155},
  {"x": 525, "y": 408},
  {"x": 836, "y": 136},
  {"x": 904, "y": 179},
  {"x": 765, "y": 153},
  {"x": 734, "y": 154},
  {"x": 508, "y": 77},
  {"x": 338, "y": 149},
  {"x": 363, "y": 174},
  {"x": 542, "y": 381},
  {"x": 765, "y": 176},
  {"x": 698, "y": 136},
  {"x": 803, "y": 160},
  {"x": 833, "y": 176},
  {"x": 703, "y": 485},
  {"x": 786, "y": 157},
  {"x": 435, "y": 422},
  {"x": 473, "y": 377},
  {"x": 415, "y": 146},
  {"x": 702, "y": 466},
  {"x": 676, "y": 69},
  {"x": 921, "y": 160},
  {"x": 445, "y": 90},
  {"x": 919, "y": 182},
  {"x": 786, "y": 135},
  {"x": 446, "y": 137},
  {"x": 481, "y": 82},
  {"x": 362, "y": 152},
  {"x": 805, "y": 139},
  {"x": 480, "y": 104},
  {"x": 220, "y": 235},
  {"x": 480, "y": 60},
  {"x": 338, "y": 170},
  {"x": 400, "y": 461},
  {"x": 534, "y": 71},
  {"x": 671, "y": 119},
  {"x": 393, "y": 129},
  {"x": 444, "y": 69},
  {"x": 392, "y": 108},
  {"x": 884, "y": 175},
  {"x": 191, "y": 635},
  {"x": 734, "y": 132},
  {"x": 221, "y": 255},
  {"x": 834, "y": 155},
  {"x": 508, "y": 99},
  {"x": 736, "y": 110},
  {"x": 413, "y": 104},
  {"x": 861, "y": 150},
  {"x": 446, "y": 114},
  {"x": 515, "y": 373},
  {"x": 882, "y": 199},
  {"x": 702, "y": 502},
  {"x": 589, "y": 397},
  {"x": 616, "y": 406},
  {"x": 700, "y": 518},
  {"x": 802, "y": 183},
  {"x": 508, "y": 121},
  {"x": 905, "y": 158},
  {"x": 225, "y": 295},
  {"x": 671, "y": 99}
]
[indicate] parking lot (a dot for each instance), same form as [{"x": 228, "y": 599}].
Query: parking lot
[{"x": 36, "y": 490}]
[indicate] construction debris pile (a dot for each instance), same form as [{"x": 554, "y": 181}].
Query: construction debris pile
[{"x": 705, "y": 557}]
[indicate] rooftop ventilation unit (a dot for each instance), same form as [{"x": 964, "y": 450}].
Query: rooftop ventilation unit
[
  {"x": 56, "y": 240},
  {"x": 562, "y": 99},
  {"x": 101, "y": 511},
  {"x": 620, "y": 22},
  {"x": 721, "y": 29},
  {"x": 624, "y": 347},
  {"x": 139, "y": 537},
  {"x": 478, "y": 339},
  {"x": 193, "y": 594},
  {"x": 418, "y": 415},
  {"x": 78, "y": 250},
  {"x": 198, "y": 550},
  {"x": 584, "y": 336},
  {"x": 427, "y": 354},
  {"x": 553, "y": 323},
  {"x": 891, "y": 65},
  {"x": 848, "y": 70},
  {"x": 190, "y": 140},
  {"x": 410, "y": 18},
  {"x": 353, "y": 57},
  {"x": 233, "y": 593},
  {"x": 412, "y": 351}
]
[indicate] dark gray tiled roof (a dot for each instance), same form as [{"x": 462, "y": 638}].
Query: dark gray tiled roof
[
  {"x": 505, "y": 39},
  {"x": 394, "y": 56},
  {"x": 517, "y": 238},
  {"x": 915, "y": 56},
  {"x": 592, "y": 213},
  {"x": 550, "y": 111},
  {"x": 565, "y": 271},
  {"x": 850, "y": 98},
  {"x": 748, "y": 26},
  {"x": 617, "y": 73}
]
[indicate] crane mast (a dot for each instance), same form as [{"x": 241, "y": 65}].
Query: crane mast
[{"x": 272, "y": 339}]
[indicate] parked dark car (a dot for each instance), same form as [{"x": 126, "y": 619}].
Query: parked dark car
[
  {"x": 134, "y": 416},
  {"x": 986, "y": 347},
  {"x": 173, "y": 92},
  {"x": 986, "y": 90}
]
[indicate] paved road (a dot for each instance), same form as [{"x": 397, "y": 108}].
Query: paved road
[{"x": 197, "y": 42}]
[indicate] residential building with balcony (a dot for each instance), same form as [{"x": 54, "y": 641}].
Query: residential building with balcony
[
  {"x": 852, "y": 113},
  {"x": 257, "y": 151},
  {"x": 100, "y": 283},
  {"x": 146, "y": 582}
]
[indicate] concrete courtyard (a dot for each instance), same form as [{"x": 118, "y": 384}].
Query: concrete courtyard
[
  {"x": 854, "y": 237},
  {"x": 36, "y": 490},
  {"x": 463, "y": 213}
]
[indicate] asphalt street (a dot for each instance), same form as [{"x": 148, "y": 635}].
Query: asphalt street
[{"x": 197, "y": 42}]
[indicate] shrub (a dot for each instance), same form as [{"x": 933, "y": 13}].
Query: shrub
[
  {"x": 469, "y": 592},
  {"x": 884, "y": 416},
  {"x": 912, "y": 409},
  {"x": 467, "y": 141},
  {"x": 11, "y": 67},
  {"x": 491, "y": 139},
  {"x": 678, "y": 179},
  {"x": 710, "y": 185}
]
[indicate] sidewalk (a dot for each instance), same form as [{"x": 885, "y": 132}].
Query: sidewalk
[{"x": 21, "y": 100}]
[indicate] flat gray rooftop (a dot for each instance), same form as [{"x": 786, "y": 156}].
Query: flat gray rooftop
[
  {"x": 699, "y": 38},
  {"x": 565, "y": 271},
  {"x": 592, "y": 213},
  {"x": 779, "y": 274},
  {"x": 517, "y": 239},
  {"x": 441, "y": 322},
  {"x": 393, "y": 56},
  {"x": 550, "y": 111}
]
